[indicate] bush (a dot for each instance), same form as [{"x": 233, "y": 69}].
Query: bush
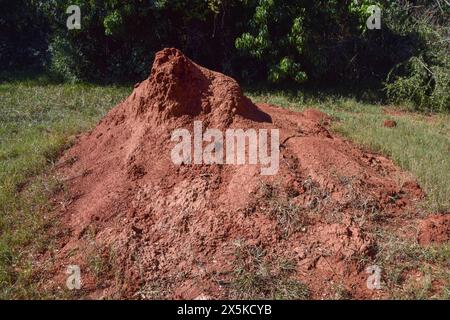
[
  {"x": 118, "y": 39},
  {"x": 423, "y": 81},
  {"x": 315, "y": 40},
  {"x": 425, "y": 87},
  {"x": 23, "y": 34}
]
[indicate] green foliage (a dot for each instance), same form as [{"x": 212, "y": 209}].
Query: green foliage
[
  {"x": 314, "y": 40},
  {"x": 423, "y": 81},
  {"x": 278, "y": 38},
  {"x": 23, "y": 33},
  {"x": 279, "y": 41},
  {"x": 426, "y": 87},
  {"x": 287, "y": 68},
  {"x": 112, "y": 23},
  {"x": 118, "y": 38},
  {"x": 327, "y": 41},
  {"x": 64, "y": 63},
  {"x": 363, "y": 9}
]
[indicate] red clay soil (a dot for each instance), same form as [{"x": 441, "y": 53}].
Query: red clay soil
[
  {"x": 390, "y": 123},
  {"x": 161, "y": 225},
  {"x": 434, "y": 229}
]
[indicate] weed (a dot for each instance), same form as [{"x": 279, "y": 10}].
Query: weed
[{"x": 255, "y": 277}]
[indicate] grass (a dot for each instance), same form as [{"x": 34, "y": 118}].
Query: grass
[
  {"x": 398, "y": 256},
  {"x": 38, "y": 119},
  {"x": 257, "y": 277},
  {"x": 289, "y": 216}
]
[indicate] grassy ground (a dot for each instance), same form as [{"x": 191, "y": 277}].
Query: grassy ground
[{"x": 38, "y": 120}]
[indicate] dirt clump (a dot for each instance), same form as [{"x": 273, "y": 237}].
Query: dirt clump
[
  {"x": 390, "y": 123},
  {"x": 179, "y": 90},
  {"x": 317, "y": 116},
  {"x": 434, "y": 230},
  {"x": 171, "y": 231}
]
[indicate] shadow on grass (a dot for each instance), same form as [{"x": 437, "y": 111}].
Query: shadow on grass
[
  {"x": 367, "y": 93},
  {"x": 43, "y": 78}
]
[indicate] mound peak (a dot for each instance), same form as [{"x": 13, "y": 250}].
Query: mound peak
[{"x": 179, "y": 88}]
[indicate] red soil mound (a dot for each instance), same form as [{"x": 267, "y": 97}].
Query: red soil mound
[
  {"x": 178, "y": 90},
  {"x": 434, "y": 229},
  {"x": 390, "y": 123},
  {"x": 176, "y": 231}
]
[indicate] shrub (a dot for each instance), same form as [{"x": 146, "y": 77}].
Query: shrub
[
  {"x": 423, "y": 81},
  {"x": 23, "y": 34}
]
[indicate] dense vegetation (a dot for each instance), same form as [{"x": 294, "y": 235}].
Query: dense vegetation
[{"x": 283, "y": 42}]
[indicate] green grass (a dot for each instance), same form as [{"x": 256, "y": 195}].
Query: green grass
[
  {"x": 397, "y": 256},
  {"x": 38, "y": 119},
  {"x": 256, "y": 277},
  {"x": 419, "y": 144}
]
